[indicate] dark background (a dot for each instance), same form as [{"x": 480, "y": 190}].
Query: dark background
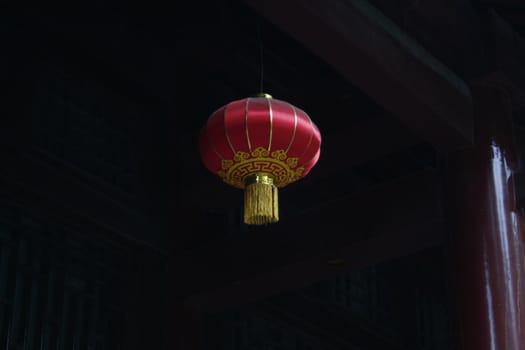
[{"x": 114, "y": 236}]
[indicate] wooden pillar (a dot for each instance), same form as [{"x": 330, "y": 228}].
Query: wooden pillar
[{"x": 487, "y": 242}]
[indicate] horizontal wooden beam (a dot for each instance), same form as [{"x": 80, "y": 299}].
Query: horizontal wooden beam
[
  {"x": 30, "y": 181},
  {"x": 362, "y": 142},
  {"x": 381, "y": 223},
  {"x": 515, "y": 4},
  {"x": 324, "y": 265},
  {"x": 378, "y": 57},
  {"x": 341, "y": 149},
  {"x": 334, "y": 326}
]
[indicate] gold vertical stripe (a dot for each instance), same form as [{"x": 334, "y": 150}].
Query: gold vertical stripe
[
  {"x": 211, "y": 144},
  {"x": 294, "y": 128},
  {"x": 246, "y": 124},
  {"x": 271, "y": 124},
  {"x": 309, "y": 160},
  {"x": 311, "y": 136},
  {"x": 226, "y": 130}
]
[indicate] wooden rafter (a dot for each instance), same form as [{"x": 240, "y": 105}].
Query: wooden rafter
[
  {"x": 383, "y": 222},
  {"x": 376, "y": 55}
]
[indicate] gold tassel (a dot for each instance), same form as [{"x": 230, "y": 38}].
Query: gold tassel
[{"x": 260, "y": 200}]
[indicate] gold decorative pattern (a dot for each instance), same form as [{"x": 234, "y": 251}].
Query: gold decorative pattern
[{"x": 277, "y": 164}]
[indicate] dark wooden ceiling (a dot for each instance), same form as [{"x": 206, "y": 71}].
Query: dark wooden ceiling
[{"x": 104, "y": 105}]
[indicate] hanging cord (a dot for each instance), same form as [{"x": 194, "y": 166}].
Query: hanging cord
[{"x": 261, "y": 55}]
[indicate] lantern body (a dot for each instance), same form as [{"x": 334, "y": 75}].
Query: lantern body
[{"x": 259, "y": 136}]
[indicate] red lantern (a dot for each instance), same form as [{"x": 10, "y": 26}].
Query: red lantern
[{"x": 260, "y": 144}]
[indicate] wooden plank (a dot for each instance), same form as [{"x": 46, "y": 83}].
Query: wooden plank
[
  {"x": 378, "y": 57},
  {"x": 383, "y": 222}
]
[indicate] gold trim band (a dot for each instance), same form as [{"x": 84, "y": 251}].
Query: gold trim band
[
  {"x": 262, "y": 94},
  {"x": 259, "y": 179}
]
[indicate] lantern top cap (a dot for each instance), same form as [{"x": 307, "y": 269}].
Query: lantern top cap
[{"x": 263, "y": 94}]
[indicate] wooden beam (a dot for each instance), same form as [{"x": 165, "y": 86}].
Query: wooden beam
[
  {"x": 381, "y": 223},
  {"x": 28, "y": 180},
  {"x": 378, "y": 57},
  {"x": 516, "y": 18},
  {"x": 334, "y": 326},
  {"x": 324, "y": 265},
  {"x": 363, "y": 141},
  {"x": 506, "y": 51},
  {"x": 515, "y": 4}
]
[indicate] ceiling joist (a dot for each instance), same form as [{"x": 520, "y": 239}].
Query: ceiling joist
[
  {"x": 384, "y": 222},
  {"x": 378, "y": 57}
]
